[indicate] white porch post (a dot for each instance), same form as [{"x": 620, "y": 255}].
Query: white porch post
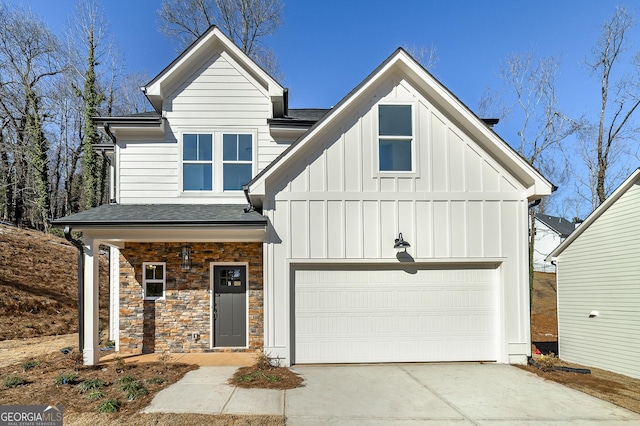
[{"x": 91, "y": 352}]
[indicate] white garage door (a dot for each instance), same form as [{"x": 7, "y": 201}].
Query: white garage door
[{"x": 393, "y": 315}]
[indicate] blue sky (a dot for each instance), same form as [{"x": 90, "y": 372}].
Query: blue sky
[{"x": 325, "y": 48}]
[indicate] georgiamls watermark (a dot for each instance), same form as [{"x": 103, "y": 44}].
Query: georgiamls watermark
[{"x": 30, "y": 415}]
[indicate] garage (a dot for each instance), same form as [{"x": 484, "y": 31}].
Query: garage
[{"x": 395, "y": 314}]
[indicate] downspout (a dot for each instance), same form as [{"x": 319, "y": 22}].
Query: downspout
[
  {"x": 80, "y": 247},
  {"x": 250, "y": 207},
  {"x": 107, "y": 130}
]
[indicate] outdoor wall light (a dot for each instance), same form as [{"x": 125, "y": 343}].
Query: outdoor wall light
[
  {"x": 186, "y": 258},
  {"x": 400, "y": 243}
]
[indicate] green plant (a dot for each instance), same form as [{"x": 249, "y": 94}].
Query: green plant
[
  {"x": 28, "y": 365},
  {"x": 109, "y": 406},
  {"x": 90, "y": 385},
  {"x": 155, "y": 380},
  {"x": 13, "y": 381},
  {"x": 133, "y": 390},
  {"x": 95, "y": 395},
  {"x": 65, "y": 379},
  {"x": 126, "y": 379},
  {"x": 110, "y": 344}
]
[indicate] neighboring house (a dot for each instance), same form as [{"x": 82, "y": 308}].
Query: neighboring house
[
  {"x": 309, "y": 260},
  {"x": 550, "y": 232},
  {"x": 597, "y": 281}
]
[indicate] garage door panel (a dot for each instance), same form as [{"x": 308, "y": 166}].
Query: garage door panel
[{"x": 394, "y": 316}]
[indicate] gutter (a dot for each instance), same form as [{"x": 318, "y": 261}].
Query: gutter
[
  {"x": 80, "y": 247},
  {"x": 250, "y": 206}
]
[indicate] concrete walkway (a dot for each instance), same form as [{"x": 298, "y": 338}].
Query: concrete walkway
[{"x": 411, "y": 394}]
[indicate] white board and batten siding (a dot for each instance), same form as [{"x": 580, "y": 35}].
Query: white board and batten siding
[
  {"x": 218, "y": 96},
  {"x": 459, "y": 207},
  {"x": 600, "y": 271}
]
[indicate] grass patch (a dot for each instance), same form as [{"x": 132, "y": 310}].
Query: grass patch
[
  {"x": 28, "y": 365},
  {"x": 132, "y": 388},
  {"x": 155, "y": 381},
  {"x": 95, "y": 395},
  {"x": 88, "y": 385},
  {"x": 109, "y": 406},
  {"x": 13, "y": 381},
  {"x": 65, "y": 379}
]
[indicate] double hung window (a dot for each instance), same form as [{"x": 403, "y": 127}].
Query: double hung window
[
  {"x": 153, "y": 280},
  {"x": 395, "y": 138},
  {"x": 197, "y": 169},
  {"x": 216, "y": 161}
]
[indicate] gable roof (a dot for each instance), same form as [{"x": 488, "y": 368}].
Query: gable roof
[
  {"x": 401, "y": 61},
  {"x": 156, "y": 89},
  {"x": 561, "y": 225},
  {"x": 615, "y": 196}
]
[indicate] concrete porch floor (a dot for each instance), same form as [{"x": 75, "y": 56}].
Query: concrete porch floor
[{"x": 232, "y": 359}]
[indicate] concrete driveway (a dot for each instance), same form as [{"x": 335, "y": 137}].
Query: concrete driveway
[{"x": 411, "y": 394}]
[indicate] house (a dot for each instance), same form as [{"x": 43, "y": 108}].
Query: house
[
  {"x": 550, "y": 231},
  {"x": 391, "y": 228},
  {"x": 597, "y": 282}
]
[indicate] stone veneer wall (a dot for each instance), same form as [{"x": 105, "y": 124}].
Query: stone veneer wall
[{"x": 167, "y": 325}]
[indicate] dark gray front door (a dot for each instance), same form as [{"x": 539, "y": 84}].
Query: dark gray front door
[{"x": 230, "y": 305}]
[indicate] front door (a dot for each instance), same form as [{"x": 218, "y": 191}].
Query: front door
[{"x": 230, "y": 305}]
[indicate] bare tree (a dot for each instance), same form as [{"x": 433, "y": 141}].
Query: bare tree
[
  {"x": 603, "y": 143},
  {"x": 246, "y": 22},
  {"x": 426, "y": 56},
  {"x": 531, "y": 99},
  {"x": 29, "y": 59}
]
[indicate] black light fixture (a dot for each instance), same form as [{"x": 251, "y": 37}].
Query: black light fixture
[
  {"x": 186, "y": 258},
  {"x": 400, "y": 243}
]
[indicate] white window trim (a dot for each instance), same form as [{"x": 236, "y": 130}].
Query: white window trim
[
  {"x": 217, "y": 183},
  {"x": 155, "y": 281},
  {"x": 414, "y": 146}
]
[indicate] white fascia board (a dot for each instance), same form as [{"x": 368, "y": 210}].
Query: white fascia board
[{"x": 619, "y": 192}]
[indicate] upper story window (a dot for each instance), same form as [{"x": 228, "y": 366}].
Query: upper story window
[
  {"x": 395, "y": 138},
  {"x": 216, "y": 161},
  {"x": 154, "y": 279},
  {"x": 197, "y": 168},
  {"x": 237, "y": 156}
]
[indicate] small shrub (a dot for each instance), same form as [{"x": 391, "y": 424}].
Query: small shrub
[
  {"x": 165, "y": 358},
  {"x": 110, "y": 344},
  {"x": 133, "y": 390},
  {"x": 66, "y": 379},
  {"x": 155, "y": 381},
  {"x": 90, "y": 385},
  {"x": 126, "y": 379},
  {"x": 13, "y": 381},
  {"x": 109, "y": 406},
  {"x": 32, "y": 363},
  {"x": 95, "y": 395},
  {"x": 547, "y": 362}
]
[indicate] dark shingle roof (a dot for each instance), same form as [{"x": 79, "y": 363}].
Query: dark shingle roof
[
  {"x": 164, "y": 214},
  {"x": 560, "y": 225},
  {"x": 313, "y": 114}
]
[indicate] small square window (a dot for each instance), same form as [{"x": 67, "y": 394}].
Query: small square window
[{"x": 154, "y": 280}]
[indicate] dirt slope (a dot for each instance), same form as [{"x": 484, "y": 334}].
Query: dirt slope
[
  {"x": 544, "y": 319},
  {"x": 39, "y": 285}
]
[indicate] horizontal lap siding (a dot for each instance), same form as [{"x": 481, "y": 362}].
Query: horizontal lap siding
[
  {"x": 600, "y": 272},
  {"x": 219, "y": 95}
]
